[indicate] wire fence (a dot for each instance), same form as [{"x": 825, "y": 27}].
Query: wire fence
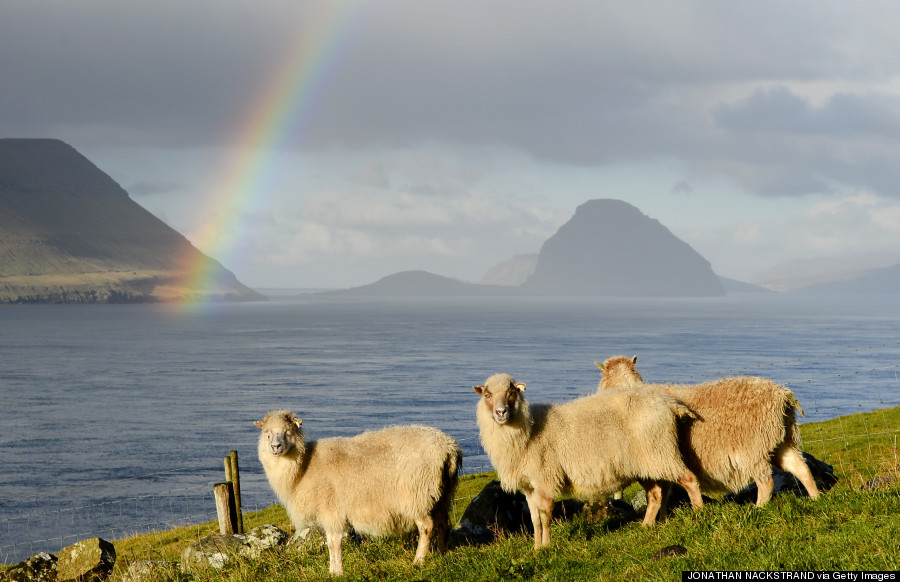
[{"x": 183, "y": 496}]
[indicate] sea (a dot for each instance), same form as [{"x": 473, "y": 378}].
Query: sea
[{"x": 115, "y": 419}]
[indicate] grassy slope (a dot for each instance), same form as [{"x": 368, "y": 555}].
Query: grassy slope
[
  {"x": 849, "y": 528},
  {"x": 70, "y": 233}
]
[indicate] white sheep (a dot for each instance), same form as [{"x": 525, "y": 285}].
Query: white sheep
[
  {"x": 585, "y": 448},
  {"x": 745, "y": 424},
  {"x": 383, "y": 482}
]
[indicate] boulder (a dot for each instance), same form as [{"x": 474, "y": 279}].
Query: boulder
[
  {"x": 494, "y": 510},
  {"x": 38, "y": 568},
  {"x": 86, "y": 561},
  {"x": 607, "y": 509},
  {"x": 150, "y": 570},
  {"x": 218, "y": 550},
  {"x": 264, "y": 538}
]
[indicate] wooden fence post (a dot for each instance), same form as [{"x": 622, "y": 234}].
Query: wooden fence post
[
  {"x": 228, "y": 498},
  {"x": 224, "y": 494},
  {"x": 236, "y": 479}
]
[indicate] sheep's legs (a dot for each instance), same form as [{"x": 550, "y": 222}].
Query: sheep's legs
[
  {"x": 654, "y": 501},
  {"x": 764, "y": 487},
  {"x": 440, "y": 515},
  {"x": 692, "y": 486},
  {"x": 665, "y": 487},
  {"x": 791, "y": 460},
  {"x": 541, "y": 508},
  {"x": 442, "y": 530},
  {"x": 335, "y": 561},
  {"x": 426, "y": 530}
]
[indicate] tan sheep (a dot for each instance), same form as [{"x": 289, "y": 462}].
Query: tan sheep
[
  {"x": 746, "y": 423},
  {"x": 586, "y": 448},
  {"x": 383, "y": 482}
]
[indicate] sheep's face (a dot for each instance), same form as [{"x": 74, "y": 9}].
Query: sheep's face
[
  {"x": 281, "y": 432},
  {"x": 619, "y": 372},
  {"x": 500, "y": 394}
]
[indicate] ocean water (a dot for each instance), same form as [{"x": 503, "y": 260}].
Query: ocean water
[{"x": 115, "y": 419}]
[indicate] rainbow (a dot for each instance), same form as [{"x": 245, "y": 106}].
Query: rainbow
[{"x": 280, "y": 114}]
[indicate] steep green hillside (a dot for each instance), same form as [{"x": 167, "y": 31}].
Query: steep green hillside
[{"x": 69, "y": 233}]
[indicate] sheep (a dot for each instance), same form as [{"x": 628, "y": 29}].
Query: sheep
[
  {"x": 380, "y": 482},
  {"x": 588, "y": 447},
  {"x": 746, "y": 423}
]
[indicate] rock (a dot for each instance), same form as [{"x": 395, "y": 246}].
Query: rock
[
  {"x": 879, "y": 482},
  {"x": 217, "y": 550},
  {"x": 214, "y": 551},
  {"x": 639, "y": 501},
  {"x": 822, "y": 472},
  {"x": 313, "y": 533},
  {"x": 38, "y": 568},
  {"x": 150, "y": 571},
  {"x": 86, "y": 561},
  {"x": 670, "y": 552},
  {"x": 471, "y": 535},
  {"x": 497, "y": 510},
  {"x": 603, "y": 510},
  {"x": 264, "y": 538}
]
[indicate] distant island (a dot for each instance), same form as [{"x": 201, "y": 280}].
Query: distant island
[
  {"x": 70, "y": 234},
  {"x": 607, "y": 249}
]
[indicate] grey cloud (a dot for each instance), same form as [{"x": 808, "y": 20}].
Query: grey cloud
[
  {"x": 780, "y": 110},
  {"x": 570, "y": 81}
]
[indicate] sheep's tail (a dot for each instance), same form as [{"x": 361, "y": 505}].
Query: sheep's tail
[
  {"x": 683, "y": 412},
  {"x": 452, "y": 464},
  {"x": 792, "y": 402},
  {"x": 449, "y": 481}
]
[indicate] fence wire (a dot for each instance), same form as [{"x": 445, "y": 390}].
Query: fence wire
[{"x": 117, "y": 515}]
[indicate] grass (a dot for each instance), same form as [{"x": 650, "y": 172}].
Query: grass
[{"x": 849, "y": 528}]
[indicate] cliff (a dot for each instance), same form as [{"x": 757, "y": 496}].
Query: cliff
[{"x": 70, "y": 234}]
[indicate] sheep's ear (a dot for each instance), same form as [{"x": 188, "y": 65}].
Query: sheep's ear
[
  {"x": 479, "y": 389},
  {"x": 297, "y": 422},
  {"x": 601, "y": 366},
  {"x": 520, "y": 386},
  {"x": 634, "y": 360},
  {"x": 259, "y": 424}
]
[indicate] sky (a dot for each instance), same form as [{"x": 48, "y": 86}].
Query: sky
[{"x": 329, "y": 143}]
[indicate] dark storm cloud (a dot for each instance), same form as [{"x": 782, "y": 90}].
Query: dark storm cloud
[
  {"x": 844, "y": 114},
  {"x": 575, "y": 82}
]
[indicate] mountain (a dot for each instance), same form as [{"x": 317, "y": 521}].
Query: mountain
[
  {"x": 70, "y": 234},
  {"x": 420, "y": 283},
  {"x": 512, "y": 272},
  {"x": 733, "y": 286},
  {"x": 884, "y": 280},
  {"x": 822, "y": 271},
  {"x": 610, "y": 248}
]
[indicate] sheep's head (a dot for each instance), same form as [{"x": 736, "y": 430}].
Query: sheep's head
[
  {"x": 281, "y": 432},
  {"x": 619, "y": 372},
  {"x": 500, "y": 394}
]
